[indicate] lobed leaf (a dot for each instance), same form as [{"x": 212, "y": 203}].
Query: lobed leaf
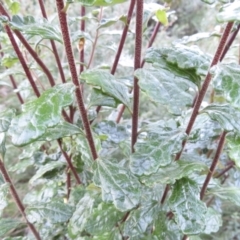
[
  {"x": 189, "y": 211},
  {"x": 118, "y": 185},
  {"x": 226, "y": 80},
  {"x": 229, "y": 12},
  {"x": 29, "y": 25},
  {"x": 40, "y": 114},
  {"x": 213, "y": 221},
  {"x": 103, "y": 80},
  {"x": 225, "y": 115},
  {"x": 54, "y": 211}
]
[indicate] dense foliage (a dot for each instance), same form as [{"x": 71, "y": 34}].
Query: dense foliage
[{"x": 104, "y": 138}]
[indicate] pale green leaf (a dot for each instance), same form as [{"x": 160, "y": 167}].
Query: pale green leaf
[
  {"x": 173, "y": 172},
  {"x": 5, "y": 119},
  {"x": 189, "y": 211},
  {"x": 41, "y": 114},
  {"x": 89, "y": 3},
  {"x": 227, "y": 116},
  {"x": 229, "y": 12},
  {"x": 7, "y": 224},
  {"x": 226, "y": 80},
  {"x": 103, "y": 219},
  {"x": 4, "y": 189},
  {"x": 164, "y": 87},
  {"x": 118, "y": 185},
  {"x": 103, "y": 80},
  {"x": 83, "y": 211},
  {"x": 231, "y": 194},
  {"x": 54, "y": 211},
  {"x": 233, "y": 143},
  {"x": 46, "y": 168},
  {"x": 15, "y": 7},
  {"x": 33, "y": 27},
  {"x": 2, "y": 145},
  {"x": 156, "y": 150},
  {"x": 213, "y": 221},
  {"x": 63, "y": 129}
]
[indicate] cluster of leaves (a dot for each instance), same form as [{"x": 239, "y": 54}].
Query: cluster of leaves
[{"x": 145, "y": 193}]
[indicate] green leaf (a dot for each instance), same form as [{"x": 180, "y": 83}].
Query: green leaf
[
  {"x": 103, "y": 80},
  {"x": 63, "y": 129},
  {"x": 184, "y": 57},
  {"x": 163, "y": 87},
  {"x": 227, "y": 116},
  {"x": 9, "y": 60},
  {"x": 229, "y": 12},
  {"x": 7, "y": 224},
  {"x": 15, "y": 7},
  {"x": 3, "y": 197},
  {"x": 118, "y": 185},
  {"x": 227, "y": 193},
  {"x": 2, "y": 145},
  {"x": 173, "y": 172},
  {"x": 213, "y": 221},
  {"x": 40, "y": 114},
  {"x": 110, "y": 21},
  {"x": 226, "y": 80},
  {"x": 83, "y": 211},
  {"x": 189, "y": 211},
  {"x": 103, "y": 219},
  {"x": 55, "y": 211},
  {"x": 5, "y": 119},
  {"x": 89, "y": 3},
  {"x": 233, "y": 143},
  {"x": 156, "y": 150},
  {"x": 98, "y": 98},
  {"x": 162, "y": 16},
  {"x": 46, "y": 168},
  {"x": 33, "y": 27}
]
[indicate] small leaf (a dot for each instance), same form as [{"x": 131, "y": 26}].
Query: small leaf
[
  {"x": 107, "y": 83},
  {"x": 189, "y": 211},
  {"x": 227, "y": 116},
  {"x": 7, "y": 224},
  {"x": 226, "y": 80},
  {"x": 227, "y": 193},
  {"x": 229, "y": 12},
  {"x": 89, "y": 3},
  {"x": 55, "y": 211},
  {"x": 103, "y": 219},
  {"x": 63, "y": 129},
  {"x": 8, "y": 61},
  {"x": 32, "y": 27},
  {"x": 46, "y": 168},
  {"x": 15, "y": 7},
  {"x": 3, "y": 197},
  {"x": 162, "y": 16},
  {"x": 233, "y": 143},
  {"x": 110, "y": 21},
  {"x": 40, "y": 114},
  {"x": 173, "y": 172},
  {"x": 5, "y": 119},
  {"x": 213, "y": 221},
  {"x": 2, "y": 145},
  {"x": 118, "y": 185}
]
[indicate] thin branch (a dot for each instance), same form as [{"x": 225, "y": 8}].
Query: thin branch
[
  {"x": 137, "y": 64},
  {"x": 82, "y": 27},
  {"x": 17, "y": 199},
  {"x": 68, "y": 49},
  {"x": 54, "y": 48},
  {"x": 68, "y": 159},
  {"x": 214, "y": 164},
  {"x": 204, "y": 88},
  {"x": 95, "y": 40},
  {"x": 231, "y": 165}
]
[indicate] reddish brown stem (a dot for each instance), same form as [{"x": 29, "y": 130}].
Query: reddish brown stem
[
  {"x": 17, "y": 199},
  {"x": 54, "y": 48},
  {"x": 21, "y": 59},
  {"x": 68, "y": 159},
  {"x": 205, "y": 85},
  {"x": 68, "y": 173},
  {"x": 231, "y": 165},
  {"x": 214, "y": 164},
  {"x": 74, "y": 75},
  {"x": 137, "y": 64},
  {"x": 82, "y": 27}
]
